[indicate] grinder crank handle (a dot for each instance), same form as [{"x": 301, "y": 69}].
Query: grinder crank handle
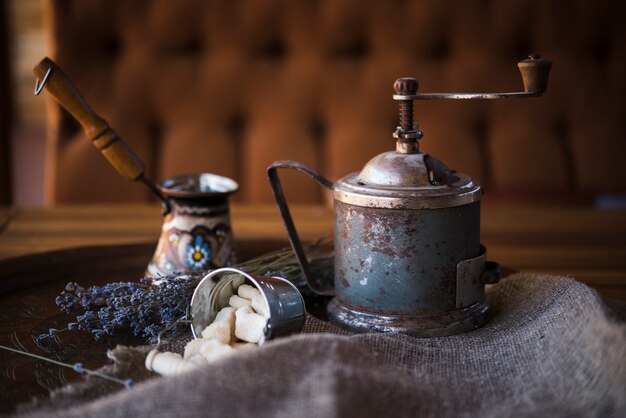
[
  {"x": 325, "y": 289},
  {"x": 114, "y": 149}
]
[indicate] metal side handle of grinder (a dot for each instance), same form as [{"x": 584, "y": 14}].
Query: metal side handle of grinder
[{"x": 321, "y": 288}]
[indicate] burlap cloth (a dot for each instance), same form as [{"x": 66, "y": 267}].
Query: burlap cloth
[{"x": 551, "y": 349}]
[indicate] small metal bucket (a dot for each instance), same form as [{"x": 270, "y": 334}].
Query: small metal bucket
[{"x": 283, "y": 300}]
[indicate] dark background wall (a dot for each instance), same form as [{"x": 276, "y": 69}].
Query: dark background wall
[
  {"x": 229, "y": 87},
  {"x": 5, "y": 109}
]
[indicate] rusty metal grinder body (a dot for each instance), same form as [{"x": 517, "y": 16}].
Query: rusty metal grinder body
[{"x": 408, "y": 256}]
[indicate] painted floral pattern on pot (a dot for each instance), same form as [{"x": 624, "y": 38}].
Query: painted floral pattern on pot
[
  {"x": 193, "y": 247},
  {"x": 198, "y": 254}
]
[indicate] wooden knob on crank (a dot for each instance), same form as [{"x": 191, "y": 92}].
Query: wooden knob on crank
[{"x": 535, "y": 71}]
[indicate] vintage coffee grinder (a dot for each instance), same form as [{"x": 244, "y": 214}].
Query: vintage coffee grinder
[{"x": 408, "y": 256}]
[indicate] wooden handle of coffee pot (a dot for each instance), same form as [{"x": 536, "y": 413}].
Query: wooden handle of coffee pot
[{"x": 114, "y": 149}]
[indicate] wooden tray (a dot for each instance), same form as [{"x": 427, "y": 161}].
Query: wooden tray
[{"x": 28, "y": 287}]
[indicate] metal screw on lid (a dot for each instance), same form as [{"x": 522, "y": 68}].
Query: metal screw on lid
[
  {"x": 406, "y": 85},
  {"x": 407, "y": 133}
]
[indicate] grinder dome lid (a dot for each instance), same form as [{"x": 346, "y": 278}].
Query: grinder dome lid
[
  {"x": 407, "y": 178},
  {"x": 399, "y": 180}
]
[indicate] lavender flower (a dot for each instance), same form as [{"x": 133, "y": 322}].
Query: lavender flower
[{"x": 145, "y": 309}]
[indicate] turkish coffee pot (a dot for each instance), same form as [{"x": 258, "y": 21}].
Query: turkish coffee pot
[
  {"x": 408, "y": 256},
  {"x": 196, "y": 233}
]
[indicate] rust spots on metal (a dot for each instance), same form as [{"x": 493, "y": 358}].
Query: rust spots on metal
[
  {"x": 344, "y": 234},
  {"x": 400, "y": 264}
]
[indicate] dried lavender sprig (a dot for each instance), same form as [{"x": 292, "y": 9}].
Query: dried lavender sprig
[
  {"x": 145, "y": 309},
  {"x": 77, "y": 367}
]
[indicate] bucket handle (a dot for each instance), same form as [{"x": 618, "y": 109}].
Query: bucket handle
[{"x": 316, "y": 286}]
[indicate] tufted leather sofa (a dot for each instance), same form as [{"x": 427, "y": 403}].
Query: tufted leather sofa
[{"x": 230, "y": 86}]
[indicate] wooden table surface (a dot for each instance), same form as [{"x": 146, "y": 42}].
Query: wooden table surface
[{"x": 589, "y": 245}]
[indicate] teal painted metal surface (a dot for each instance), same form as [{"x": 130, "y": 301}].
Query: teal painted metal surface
[{"x": 402, "y": 261}]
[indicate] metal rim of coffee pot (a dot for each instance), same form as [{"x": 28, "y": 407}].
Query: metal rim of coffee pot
[
  {"x": 284, "y": 301},
  {"x": 198, "y": 185}
]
